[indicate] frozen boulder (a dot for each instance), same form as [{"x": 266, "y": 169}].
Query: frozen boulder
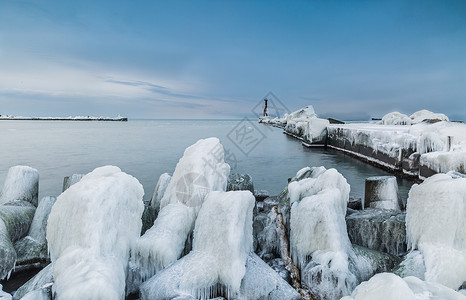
[
  {"x": 395, "y": 118},
  {"x": 21, "y": 184},
  {"x": 316, "y": 132},
  {"x": 42, "y": 279},
  {"x": 382, "y": 192},
  {"x": 33, "y": 247},
  {"x": 412, "y": 264},
  {"x": 201, "y": 169},
  {"x": 266, "y": 241},
  {"x": 370, "y": 262},
  {"x": 4, "y": 295},
  {"x": 70, "y": 180},
  {"x": 319, "y": 242},
  {"x": 436, "y": 226},
  {"x": 221, "y": 244},
  {"x": 388, "y": 286},
  {"x": 240, "y": 182},
  {"x": 378, "y": 229},
  {"x": 14, "y": 224},
  {"x": 159, "y": 190},
  {"x": 90, "y": 231},
  {"x": 42, "y": 294},
  {"x": 425, "y": 115},
  {"x": 148, "y": 218},
  {"x": 261, "y": 195}
]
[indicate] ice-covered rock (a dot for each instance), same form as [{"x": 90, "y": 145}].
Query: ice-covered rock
[
  {"x": 201, "y": 169},
  {"x": 159, "y": 190},
  {"x": 33, "y": 247},
  {"x": 370, "y": 262},
  {"x": 42, "y": 279},
  {"x": 70, "y": 180},
  {"x": 90, "y": 231},
  {"x": 388, "y": 286},
  {"x": 240, "y": 182},
  {"x": 395, "y": 118},
  {"x": 266, "y": 241},
  {"x": 148, "y": 218},
  {"x": 319, "y": 241},
  {"x": 261, "y": 195},
  {"x": 21, "y": 184},
  {"x": 436, "y": 226},
  {"x": 15, "y": 221},
  {"x": 378, "y": 229},
  {"x": 304, "y": 124},
  {"x": 412, "y": 264},
  {"x": 4, "y": 295},
  {"x": 382, "y": 192},
  {"x": 423, "y": 115},
  {"x": 221, "y": 243},
  {"x": 262, "y": 282},
  {"x": 42, "y": 294}
]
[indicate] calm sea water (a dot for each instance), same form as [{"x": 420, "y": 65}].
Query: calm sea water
[{"x": 148, "y": 148}]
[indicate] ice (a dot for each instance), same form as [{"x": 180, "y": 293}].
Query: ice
[
  {"x": 424, "y": 114},
  {"x": 318, "y": 238},
  {"x": 222, "y": 241},
  {"x": 201, "y": 169},
  {"x": 4, "y": 295},
  {"x": 70, "y": 180},
  {"x": 42, "y": 279},
  {"x": 382, "y": 192},
  {"x": 21, "y": 183},
  {"x": 90, "y": 231},
  {"x": 396, "y": 118},
  {"x": 159, "y": 190},
  {"x": 383, "y": 286},
  {"x": 15, "y": 220},
  {"x": 412, "y": 265},
  {"x": 388, "y": 286},
  {"x": 436, "y": 225},
  {"x": 33, "y": 247}
]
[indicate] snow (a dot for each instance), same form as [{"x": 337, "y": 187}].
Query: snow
[
  {"x": 21, "y": 183},
  {"x": 436, "y": 225},
  {"x": 201, "y": 169},
  {"x": 160, "y": 189},
  {"x": 222, "y": 241},
  {"x": 90, "y": 231}
]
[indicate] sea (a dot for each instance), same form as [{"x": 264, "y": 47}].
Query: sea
[{"x": 146, "y": 149}]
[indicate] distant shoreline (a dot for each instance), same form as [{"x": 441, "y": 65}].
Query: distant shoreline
[{"x": 12, "y": 118}]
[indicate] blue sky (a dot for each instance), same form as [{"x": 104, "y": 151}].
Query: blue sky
[{"x": 217, "y": 59}]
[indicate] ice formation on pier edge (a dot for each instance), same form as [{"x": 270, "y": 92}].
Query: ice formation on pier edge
[
  {"x": 21, "y": 184},
  {"x": 201, "y": 169},
  {"x": 436, "y": 225},
  {"x": 90, "y": 231}
]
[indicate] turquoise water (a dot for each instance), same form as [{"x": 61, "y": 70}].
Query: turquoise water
[{"x": 148, "y": 148}]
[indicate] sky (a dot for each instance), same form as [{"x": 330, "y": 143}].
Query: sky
[{"x": 351, "y": 60}]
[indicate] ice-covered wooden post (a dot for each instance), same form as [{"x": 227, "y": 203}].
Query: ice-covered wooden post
[{"x": 382, "y": 192}]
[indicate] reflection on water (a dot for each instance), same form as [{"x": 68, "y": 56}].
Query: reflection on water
[{"x": 148, "y": 148}]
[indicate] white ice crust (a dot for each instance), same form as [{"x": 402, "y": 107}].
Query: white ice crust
[
  {"x": 222, "y": 242},
  {"x": 201, "y": 169},
  {"x": 21, "y": 183},
  {"x": 90, "y": 231},
  {"x": 436, "y": 225}
]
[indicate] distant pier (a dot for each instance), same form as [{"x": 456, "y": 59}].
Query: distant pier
[{"x": 79, "y": 118}]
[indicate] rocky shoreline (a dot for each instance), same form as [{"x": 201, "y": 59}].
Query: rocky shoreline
[{"x": 209, "y": 234}]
